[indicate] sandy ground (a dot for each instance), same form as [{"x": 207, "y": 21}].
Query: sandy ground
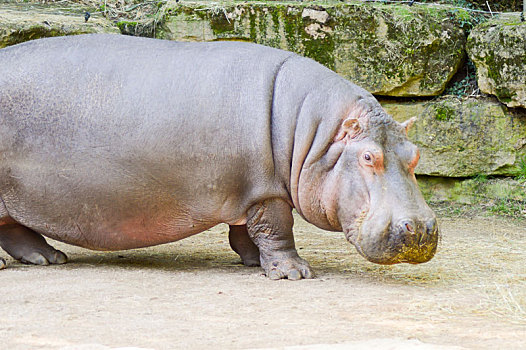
[{"x": 194, "y": 294}]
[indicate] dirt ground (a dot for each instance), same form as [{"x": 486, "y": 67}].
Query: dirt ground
[{"x": 194, "y": 294}]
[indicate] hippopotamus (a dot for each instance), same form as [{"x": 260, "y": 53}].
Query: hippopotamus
[{"x": 112, "y": 142}]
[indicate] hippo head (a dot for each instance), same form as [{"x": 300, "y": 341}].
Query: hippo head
[{"x": 363, "y": 184}]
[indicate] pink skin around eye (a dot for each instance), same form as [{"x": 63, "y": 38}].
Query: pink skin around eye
[{"x": 374, "y": 159}]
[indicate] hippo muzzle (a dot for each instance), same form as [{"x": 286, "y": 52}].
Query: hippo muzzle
[{"x": 408, "y": 240}]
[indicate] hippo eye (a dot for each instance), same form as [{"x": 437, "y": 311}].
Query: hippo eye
[{"x": 373, "y": 158}]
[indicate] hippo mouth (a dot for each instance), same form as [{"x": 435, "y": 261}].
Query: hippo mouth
[
  {"x": 393, "y": 243},
  {"x": 353, "y": 232}
]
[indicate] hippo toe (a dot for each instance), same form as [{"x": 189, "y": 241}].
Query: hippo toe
[{"x": 292, "y": 268}]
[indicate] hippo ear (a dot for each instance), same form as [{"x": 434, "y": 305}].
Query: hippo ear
[
  {"x": 350, "y": 127},
  {"x": 408, "y": 124}
]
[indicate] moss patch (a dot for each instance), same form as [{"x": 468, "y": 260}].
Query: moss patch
[
  {"x": 444, "y": 112},
  {"x": 498, "y": 50},
  {"x": 464, "y": 138},
  {"x": 502, "y": 195},
  {"x": 21, "y": 22}
]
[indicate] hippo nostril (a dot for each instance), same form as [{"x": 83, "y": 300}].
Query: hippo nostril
[
  {"x": 431, "y": 226},
  {"x": 407, "y": 226},
  {"x": 428, "y": 231}
]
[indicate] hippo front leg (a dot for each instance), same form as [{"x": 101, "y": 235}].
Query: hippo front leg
[{"x": 270, "y": 227}]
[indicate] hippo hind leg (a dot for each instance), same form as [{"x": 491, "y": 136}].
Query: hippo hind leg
[
  {"x": 243, "y": 245},
  {"x": 28, "y": 246}
]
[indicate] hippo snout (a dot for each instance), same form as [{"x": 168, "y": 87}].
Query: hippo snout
[
  {"x": 407, "y": 240},
  {"x": 416, "y": 232},
  {"x": 415, "y": 240}
]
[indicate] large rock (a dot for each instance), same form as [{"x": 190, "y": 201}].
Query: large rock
[
  {"x": 392, "y": 50},
  {"x": 460, "y": 138},
  {"x": 498, "y": 49},
  {"x": 22, "y": 22},
  {"x": 480, "y": 189}
]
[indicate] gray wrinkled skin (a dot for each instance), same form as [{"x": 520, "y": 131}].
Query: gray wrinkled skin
[{"x": 113, "y": 142}]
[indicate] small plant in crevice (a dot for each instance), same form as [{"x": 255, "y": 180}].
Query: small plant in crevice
[
  {"x": 481, "y": 178},
  {"x": 478, "y": 184},
  {"x": 466, "y": 14},
  {"x": 464, "y": 84}
]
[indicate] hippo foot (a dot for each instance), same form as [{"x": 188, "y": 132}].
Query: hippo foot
[
  {"x": 269, "y": 226},
  {"x": 251, "y": 261},
  {"x": 241, "y": 243},
  {"x": 3, "y": 264},
  {"x": 29, "y": 247},
  {"x": 291, "y": 267},
  {"x": 37, "y": 258}
]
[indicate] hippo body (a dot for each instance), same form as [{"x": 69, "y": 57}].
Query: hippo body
[{"x": 111, "y": 142}]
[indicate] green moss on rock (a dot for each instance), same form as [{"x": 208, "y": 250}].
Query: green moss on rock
[
  {"x": 127, "y": 26},
  {"x": 498, "y": 49},
  {"x": 444, "y": 112},
  {"x": 473, "y": 190},
  {"x": 460, "y": 138},
  {"x": 22, "y": 22}
]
